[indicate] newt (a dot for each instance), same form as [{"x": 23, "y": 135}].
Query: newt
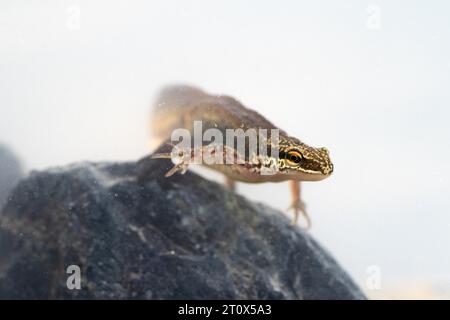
[{"x": 180, "y": 106}]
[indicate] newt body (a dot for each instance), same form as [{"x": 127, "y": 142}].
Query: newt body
[{"x": 179, "y": 106}]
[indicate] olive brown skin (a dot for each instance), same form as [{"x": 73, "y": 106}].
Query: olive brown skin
[{"x": 180, "y": 106}]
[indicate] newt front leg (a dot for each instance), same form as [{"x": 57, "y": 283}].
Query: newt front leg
[
  {"x": 297, "y": 205},
  {"x": 183, "y": 157},
  {"x": 230, "y": 183}
]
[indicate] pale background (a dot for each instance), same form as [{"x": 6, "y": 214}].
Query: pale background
[{"x": 370, "y": 80}]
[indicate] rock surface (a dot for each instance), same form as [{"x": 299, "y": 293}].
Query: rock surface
[
  {"x": 163, "y": 238},
  {"x": 10, "y": 172}
]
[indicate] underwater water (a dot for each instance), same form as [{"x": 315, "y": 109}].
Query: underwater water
[{"x": 367, "y": 80}]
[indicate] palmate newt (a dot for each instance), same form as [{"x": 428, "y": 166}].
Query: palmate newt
[{"x": 179, "y": 107}]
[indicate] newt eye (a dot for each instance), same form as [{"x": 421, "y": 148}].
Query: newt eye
[{"x": 293, "y": 157}]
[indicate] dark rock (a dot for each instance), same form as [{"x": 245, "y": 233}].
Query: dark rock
[
  {"x": 164, "y": 238},
  {"x": 10, "y": 172}
]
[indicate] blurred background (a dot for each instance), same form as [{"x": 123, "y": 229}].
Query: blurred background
[{"x": 370, "y": 80}]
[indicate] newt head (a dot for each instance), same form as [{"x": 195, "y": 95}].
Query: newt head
[{"x": 298, "y": 161}]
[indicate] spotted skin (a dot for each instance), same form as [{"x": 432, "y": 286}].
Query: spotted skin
[{"x": 179, "y": 106}]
